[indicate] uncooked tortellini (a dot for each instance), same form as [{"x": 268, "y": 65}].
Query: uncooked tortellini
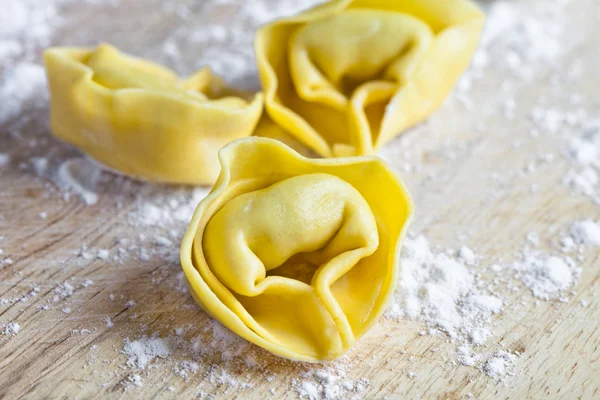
[
  {"x": 140, "y": 118},
  {"x": 347, "y": 76},
  {"x": 296, "y": 255}
]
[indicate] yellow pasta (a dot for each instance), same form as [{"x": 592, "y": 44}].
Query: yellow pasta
[
  {"x": 139, "y": 118},
  {"x": 297, "y": 255},
  {"x": 347, "y": 76}
]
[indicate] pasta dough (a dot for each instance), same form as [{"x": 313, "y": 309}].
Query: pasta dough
[
  {"x": 296, "y": 255},
  {"x": 347, "y": 76},
  {"x": 140, "y": 118}
]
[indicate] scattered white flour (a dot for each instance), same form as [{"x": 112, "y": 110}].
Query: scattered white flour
[
  {"x": 308, "y": 390},
  {"x": 87, "y": 283},
  {"x": 28, "y": 23},
  {"x": 583, "y": 181},
  {"x": 80, "y": 176},
  {"x": 103, "y": 254},
  {"x": 466, "y": 255},
  {"x": 39, "y": 164},
  {"x": 584, "y": 153},
  {"x": 221, "y": 377},
  {"x": 547, "y": 120},
  {"x": 4, "y": 160},
  {"x": 63, "y": 291},
  {"x": 186, "y": 367},
  {"x": 175, "y": 208},
  {"x": 25, "y": 83},
  {"x": 94, "y": 254},
  {"x": 328, "y": 384},
  {"x": 498, "y": 365},
  {"x": 547, "y": 277},
  {"x": 517, "y": 39},
  {"x": 136, "y": 380},
  {"x": 12, "y": 328},
  {"x": 533, "y": 238},
  {"x": 441, "y": 291},
  {"x": 465, "y": 356},
  {"x": 34, "y": 291},
  {"x": 524, "y": 34},
  {"x": 226, "y": 48},
  {"x": 586, "y": 232},
  {"x": 142, "y": 351}
]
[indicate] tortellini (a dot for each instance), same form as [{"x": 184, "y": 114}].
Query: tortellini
[
  {"x": 139, "y": 118},
  {"x": 349, "y": 75},
  {"x": 297, "y": 255}
]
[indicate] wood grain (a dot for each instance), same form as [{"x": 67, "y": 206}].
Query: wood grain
[{"x": 452, "y": 157}]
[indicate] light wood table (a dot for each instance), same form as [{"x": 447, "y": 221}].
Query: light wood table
[{"x": 456, "y": 153}]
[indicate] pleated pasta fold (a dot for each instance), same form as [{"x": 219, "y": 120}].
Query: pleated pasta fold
[
  {"x": 347, "y": 76},
  {"x": 139, "y": 118},
  {"x": 297, "y": 255}
]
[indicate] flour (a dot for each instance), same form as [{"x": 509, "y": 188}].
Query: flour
[
  {"x": 328, "y": 384},
  {"x": 26, "y": 27},
  {"x": 63, "y": 291},
  {"x": 547, "y": 277},
  {"x": 136, "y": 380},
  {"x": 533, "y": 238},
  {"x": 308, "y": 390},
  {"x": 583, "y": 152},
  {"x": 165, "y": 218},
  {"x": 20, "y": 86},
  {"x": 225, "y": 47},
  {"x": 498, "y": 365},
  {"x": 586, "y": 232},
  {"x": 220, "y": 377},
  {"x": 186, "y": 368},
  {"x": 80, "y": 176},
  {"x": 12, "y": 328},
  {"x": 261, "y": 12},
  {"x": 192, "y": 356},
  {"x": 465, "y": 356},
  {"x": 466, "y": 255},
  {"x": 4, "y": 160},
  {"x": 142, "y": 351},
  {"x": 442, "y": 291},
  {"x": 28, "y": 21},
  {"x": 516, "y": 39},
  {"x": 93, "y": 254},
  {"x": 582, "y": 181},
  {"x": 103, "y": 254},
  {"x": 167, "y": 210},
  {"x": 24, "y": 298}
]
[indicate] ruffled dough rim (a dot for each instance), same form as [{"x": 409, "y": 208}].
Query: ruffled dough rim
[
  {"x": 210, "y": 301},
  {"x": 77, "y": 77},
  {"x": 465, "y": 20},
  {"x": 68, "y": 56}
]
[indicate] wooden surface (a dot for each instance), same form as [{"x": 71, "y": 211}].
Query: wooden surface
[{"x": 453, "y": 157}]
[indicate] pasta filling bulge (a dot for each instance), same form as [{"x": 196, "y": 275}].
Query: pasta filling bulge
[{"x": 290, "y": 242}]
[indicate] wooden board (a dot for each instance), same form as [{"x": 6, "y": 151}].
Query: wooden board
[{"x": 452, "y": 158}]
